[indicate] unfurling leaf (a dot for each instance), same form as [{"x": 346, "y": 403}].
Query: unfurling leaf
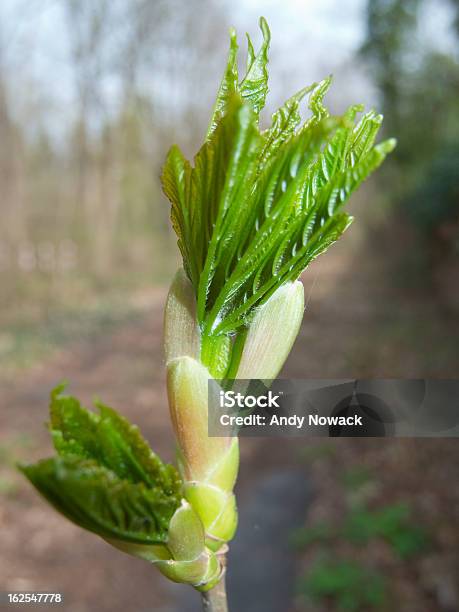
[
  {"x": 106, "y": 478},
  {"x": 254, "y": 86},
  {"x": 258, "y": 206}
]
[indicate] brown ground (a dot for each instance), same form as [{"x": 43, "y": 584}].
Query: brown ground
[{"x": 356, "y": 325}]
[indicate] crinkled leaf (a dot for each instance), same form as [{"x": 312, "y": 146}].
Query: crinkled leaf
[
  {"x": 300, "y": 193},
  {"x": 215, "y": 210},
  {"x": 254, "y": 86},
  {"x": 110, "y": 440},
  {"x": 283, "y": 124},
  {"x": 73, "y": 428},
  {"x": 316, "y": 102},
  {"x": 95, "y": 498},
  {"x": 262, "y": 205},
  {"x": 176, "y": 182},
  {"x": 235, "y": 165},
  {"x": 228, "y": 86}
]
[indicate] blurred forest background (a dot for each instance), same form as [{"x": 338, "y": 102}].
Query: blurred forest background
[{"x": 92, "y": 94}]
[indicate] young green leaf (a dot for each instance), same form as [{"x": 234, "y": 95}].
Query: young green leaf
[
  {"x": 228, "y": 86},
  {"x": 94, "y": 498},
  {"x": 283, "y": 124},
  {"x": 110, "y": 440},
  {"x": 106, "y": 478},
  {"x": 258, "y": 206},
  {"x": 254, "y": 86}
]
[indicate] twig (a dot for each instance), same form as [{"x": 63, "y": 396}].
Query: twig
[{"x": 215, "y": 599}]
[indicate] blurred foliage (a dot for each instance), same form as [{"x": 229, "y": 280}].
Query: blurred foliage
[
  {"x": 319, "y": 532},
  {"x": 418, "y": 87},
  {"x": 392, "y": 523},
  {"x": 356, "y": 477},
  {"x": 351, "y": 586},
  {"x": 439, "y": 186},
  {"x": 316, "y": 452},
  {"x": 82, "y": 227},
  {"x": 340, "y": 574}
]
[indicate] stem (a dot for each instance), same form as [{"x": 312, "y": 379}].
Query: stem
[{"x": 215, "y": 599}]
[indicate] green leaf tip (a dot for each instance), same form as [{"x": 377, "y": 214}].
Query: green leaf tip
[
  {"x": 257, "y": 206},
  {"x": 253, "y": 87}
]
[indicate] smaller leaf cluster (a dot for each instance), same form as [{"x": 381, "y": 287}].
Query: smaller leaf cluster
[
  {"x": 258, "y": 206},
  {"x": 105, "y": 477}
]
